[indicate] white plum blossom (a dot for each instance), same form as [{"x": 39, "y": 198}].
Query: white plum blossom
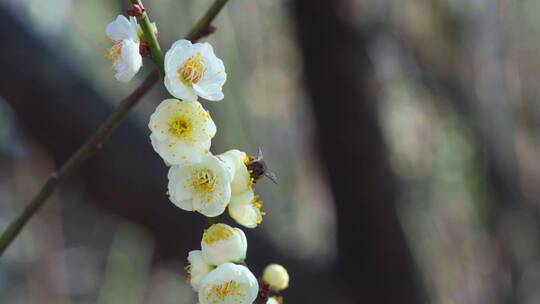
[
  {"x": 245, "y": 206},
  {"x": 197, "y": 268},
  {"x": 222, "y": 243},
  {"x": 276, "y": 276},
  {"x": 203, "y": 186},
  {"x": 193, "y": 70},
  {"x": 124, "y": 54},
  {"x": 229, "y": 284},
  {"x": 181, "y": 131}
]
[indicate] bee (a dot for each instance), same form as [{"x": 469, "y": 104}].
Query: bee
[{"x": 257, "y": 168}]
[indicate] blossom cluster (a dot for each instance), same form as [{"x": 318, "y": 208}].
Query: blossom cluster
[{"x": 198, "y": 180}]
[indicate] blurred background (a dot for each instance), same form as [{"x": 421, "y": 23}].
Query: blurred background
[{"x": 405, "y": 135}]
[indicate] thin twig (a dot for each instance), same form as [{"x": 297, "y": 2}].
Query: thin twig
[
  {"x": 100, "y": 136},
  {"x": 201, "y": 29},
  {"x": 75, "y": 161},
  {"x": 150, "y": 38}
]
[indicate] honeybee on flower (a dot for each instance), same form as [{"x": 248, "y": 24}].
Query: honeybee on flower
[
  {"x": 193, "y": 70},
  {"x": 124, "y": 54},
  {"x": 245, "y": 206}
]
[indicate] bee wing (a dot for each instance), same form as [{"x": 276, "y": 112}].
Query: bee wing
[
  {"x": 260, "y": 155},
  {"x": 272, "y": 176}
]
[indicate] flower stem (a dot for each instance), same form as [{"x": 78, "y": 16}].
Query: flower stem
[
  {"x": 214, "y": 220},
  {"x": 151, "y": 38},
  {"x": 100, "y": 136}
]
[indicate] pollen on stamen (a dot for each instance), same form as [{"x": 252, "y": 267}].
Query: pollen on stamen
[
  {"x": 192, "y": 71},
  {"x": 217, "y": 233},
  {"x": 227, "y": 289},
  {"x": 257, "y": 203}
]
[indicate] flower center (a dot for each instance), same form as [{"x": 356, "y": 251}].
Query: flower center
[
  {"x": 204, "y": 180},
  {"x": 217, "y": 233},
  {"x": 230, "y": 288},
  {"x": 179, "y": 127},
  {"x": 115, "y": 52},
  {"x": 192, "y": 70}
]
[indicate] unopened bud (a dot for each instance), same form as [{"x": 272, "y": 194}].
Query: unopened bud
[{"x": 276, "y": 276}]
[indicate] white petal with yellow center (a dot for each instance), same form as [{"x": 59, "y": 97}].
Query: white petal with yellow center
[
  {"x": 181, "y": 131},
  {"x": 193, "y": 70},
  {"x": 229, "y": 284},
  {"x": 124, "y": 54},
  {"x": 222, "y": 243},
  {"x": 203, "y": 186}
]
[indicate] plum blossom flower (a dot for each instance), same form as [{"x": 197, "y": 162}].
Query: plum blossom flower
[
  {"x": 197, "y": 268},
  {"x": 193, "y": 70},
  {"x": 203, "y": 186},
  {"x": 276, "y": 276},
  {"x": 222, "y": 243},
  {"x": 229, "y": 283},
  {"x": 244, "y": 207},
  {"x": 181, "y": 131},
  {"x": 124, "y": 54}
]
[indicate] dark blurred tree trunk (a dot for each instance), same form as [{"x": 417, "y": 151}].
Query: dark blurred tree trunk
[
  {"x": 373, "y": 254},
  {"x": 489, "y": 116}
]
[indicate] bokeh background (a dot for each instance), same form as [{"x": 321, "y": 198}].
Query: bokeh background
[{"x": 405, "y": 135}]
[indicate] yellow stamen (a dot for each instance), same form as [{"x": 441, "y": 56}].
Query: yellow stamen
[
  {"x": 204, "y": 180},
  {"x": 188, "y": 271},
  {"x": 227, "y": 289},
  {"x": 180, "y": 127},
  {"x": 217, "y": 232},
  {"x": 192, "y": 71},
  {"x": 115, "y": 52},
  {"x": 248, "y": 159},
  {"x": 257, "y": 203}
]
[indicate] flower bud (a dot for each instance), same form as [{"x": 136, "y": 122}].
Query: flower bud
[
  {"x": 222, "y": 243},
  {"x": 277, "y": 276}
]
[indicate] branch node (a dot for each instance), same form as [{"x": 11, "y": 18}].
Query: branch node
[{"x": 210, "y": 29}]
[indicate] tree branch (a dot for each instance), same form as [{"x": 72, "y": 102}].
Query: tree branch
[{"x": 100, "y": 136}]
